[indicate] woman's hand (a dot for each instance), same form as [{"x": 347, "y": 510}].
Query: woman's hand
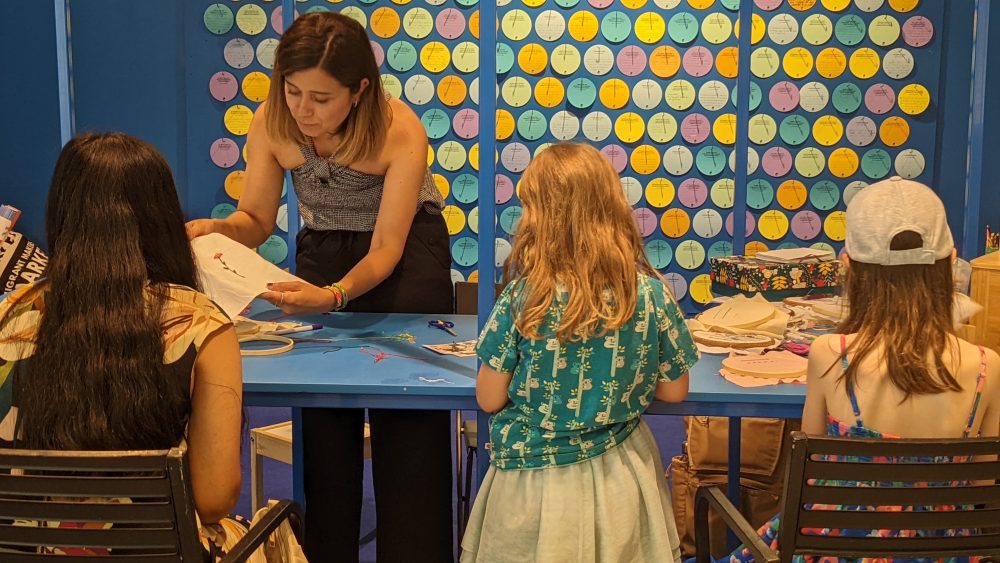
[
  {"x": 298, "y": 298},
  {"x": 199, "y": 227}
]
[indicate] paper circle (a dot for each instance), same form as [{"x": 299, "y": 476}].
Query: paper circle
[
  {"x": 256, "y": 86},
  {"x": 831, "y": 62},
  {"x": 218, "y": 18},
  {"x": 661, "y": 127},
  {"x": 614, "y": 93},
  {"x": 773, "y": 225},
  {"x": 678, "y": 160},
  {"x": 581, "y": 93},
  {"x": 597, "y": 126},
  {"x": 846, "y": 97},
  {"x": 817, "y": 29},
  {"x": 503, "y": 189},
  {"x": 465, "y": 57},
  {"x": 510, "y": 217},
  {"x": 792, "y": 194},
  {"x": 650, "y": 28},
  {"x": 713, "y": 95},
  {"x": 599, "y": 60},
  {"x": 616, "y": 26},
  {"x": 682, "y": 28},
  {"x": 549, "y": 92},
  {"x": 903, "y": 6},
  {"x": 223, "y": 86},
  {"x": 813, "y": 96},
  {"x": 632, "y": 60},
  {"x": 810, "y": 162},
  {"x": 850, "y": 30},
  {"x": 918, "y": 31},
  {"x": 697, "y": 61},
  {"x": 777, "y": 162},
  {"x": 632, "y": 190},
  {"x": 353, "y": 12},
  {"x": 646, "y": 94},
  {"x": 836, "y": 5},
  {"x": 659, "y": 253},
  {"x": 645, "y": 159},
  {"x": 723, "y": 193},
  {"x": 768, "y": 5},
  {"x": 843, "y": 162},
  {"x": 450, "y": 23},
  {"x": 797, "y": 62},
  {"x": 707, "y": 223},
  {"x": 753, "y": 160},
  {"x": 835, "y": 226},
  {"x": 794, "y": 130},
  {"x": 583, "y": 26},
  {"x": 435, "y": 123},
  {"x": 864, "y": 63},
  {"x": 861, "y": 131},
  {"x": 711, "y": 161},
  {"x": 898, "y": 63},
  {"x": 237, "y": 119},
  {"x": 401, "y": 56},
  {"x": 418, "y": 23},
  {"x": 884, "y": 30},
  {"x": 756, "y": 96},
  {"x": 385, "y": 22},
  {"x": 515, "y": 157},
  {"x": 724, "y": 128},
  {"x": 392, "y": 85},
  {"x": 441, "y": 183},
  {"x": 727, "y": 62},
  {"x": 419, "y": 89},
  {"x": 757, "y": 29},
  {"x": 762, "y": 129},
  {"x": 565, "y": 59},
  {"x": 451, "y": 155},
  {"x": 876, "y": 164},
  {"x": 238, "y": 53},
  {"x": 869, "y": 5},
  {"x": 806, "y": 225},
  {"x": 516, "y": 25},
  {"x": 675, "y": 223},
  {"x": 764, "y": 62},
  {"x": 435, "y": 56},
  {"x": 222, "y": 210},
  {"x": 225, "y": 153},
  {"x": 760, "y": 194},
  {"x": 894, "y": 131},
  {"x": 680, "y": 95},
  {"x": 783, "y": 29},
  {"x": 617, "y": 155},
  {"x": 465, "y": 251},
  {"x": 690, "y": 255},
  {"x": 910, "y": 163},
  {"x": 265, "y": 52},
  {"x": 828, "y": 130},
  {"x": 564, "y": 125},
  {"x": 824, "y": 195},
  {"x": 716, "y": 28},
  {"x": 516, "y": 91},
  {"x": 695, "y": 128},
  {"x": 505, "y": 124},
  {"x": 749, "y": 224},
  {"x": 660, "y": 192},
  {"x": 274, "y": 249},
  {"x": 629, "y": 127},
  {"x": 454, "y": 219},
  {"x": 914, "y": 99},
  {"x": 505, "y": 58}
]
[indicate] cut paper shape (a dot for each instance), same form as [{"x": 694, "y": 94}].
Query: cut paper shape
[
  {"x": 223, "y": 86},
  {"x": 914, "y": 99},
  {"x": 251, "y": 19},
  {"x": 835, "y": 226},
  {"x": 783, "y": 29},
  {"x": 817, "y": 29},
  {"x": 794, "y": 130},
  {"x": 701, "y": 289},
  {"x": 218, "y": 18},
  {"x": 861, "y": 131},
  {"x": 806, "y": 225},
  {"x": 238, "y": 53},
  {"x": 690, "y": 255},
  {"x": 659, "y": 253},
  {"x": 850, "y": 30},
  {"x": 918, "y": 31},
  {"x": 599, "y": 60},
  {"x": 773, "y": 225},
  {"x": 884, "y": 30},
  {"x": 237, "y": 119},
  {"x": 760, "y": 194},
  {"x": 265, "y": 52},
  {"x": 770, "y": 365},
  {"x": 750, "y": 224},
  {"x": 898, "y": 63},
  {"x": 846, "y": 97}
]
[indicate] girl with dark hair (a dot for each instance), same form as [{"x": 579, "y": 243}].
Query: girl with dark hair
[
  {"x": 374, "y": 241},
  {"x": 115, "y": 349}
]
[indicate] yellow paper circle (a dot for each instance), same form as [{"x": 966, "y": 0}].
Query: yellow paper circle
[
  {"x": 505, "y": 124},
  {"x": 237, "y": 119},
  {"x": 764, "y": 62},
  {"x": 894, "y": 131},
  {"x": 245, "y": 153},
  {"x": 835, "y": 226},
  {"x": 255, "y": 86},
  {"x": 753, "y": 247},
  {"x": 614, "y": 93},
  {"x": 516, "y": 25},
  {"x": 865, "y": 63},
  {"x": 664, "y": 61},
  {"x": 675, "y": 223},
  {"x": 385, "y": 22},
  {"x": 727, "y": 62},
  {"x": 903, "y": 6},
  {"x": 762, "y": 129},
  {"x": 474, "y": 24},
  {"x": 650, "y": 27},
  {"x": 843, "y": 162},
  {"x": 884, "y": 30},
  {"x": 716, "y": 28},
  {"x": 442, "y": 185},
  {"x": 454, "y": 218},
  {"x": 633, "y": 4},
  {"x": 802, "y": 5},
  {"x": 680, "y": 95},
  {"x": 701, "y": 289},
  {"x": 660, "y": 192},
  {"x": 583, "y": 26},
  {"x": 565, "y": 59},
  {"x": 757, "y": 29},
  {"x": 831, "y": 62},
  {"x": 701, "y": 4},
  {"x": 430, "y": 155},
  {"x": 549, "y": 92},
  {"x": 451, "y": 155},
  {"x": 797, "y": 62},
  {"x": 913, "y": 99},
  {"x": 235, "y": 182},
  {"x": 828, "y": 130},
  {"x": 645, "y": 159},
  {"x": 792, "y": 194},
  {"x": 724, "y": 128},
  {"x": 435, "y": 56},
  {"x": 630, "y": 127},
  {"x": 817, "y": 29},
  {"x": 836, "y": 5},
  {"x": 474, "y": 156},
  {"x": 451, "y": 91},
  {"x": 810, "y": 162},
  {"x": 662, "y": 127},
  {"x": 772, "y": 224},
  {"x": 532, "y": 58},
  {"x": 533, "y": 3}
]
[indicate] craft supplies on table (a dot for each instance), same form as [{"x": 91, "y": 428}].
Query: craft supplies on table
[
  {"x": 443, "y": 325},
  {"x": 770, "y": 368},
  {"x": 733, "y": 275}
]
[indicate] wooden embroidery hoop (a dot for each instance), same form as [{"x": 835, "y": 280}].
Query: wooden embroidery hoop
[
  {"x": 743, "y": 313},
  {"x": 727, "y": 340},
  {"x": 287, "y": 344}
]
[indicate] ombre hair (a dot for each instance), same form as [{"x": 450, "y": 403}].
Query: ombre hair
[
  {"x": 339, "y": 46},
  {"x": 577, "y": 235}
]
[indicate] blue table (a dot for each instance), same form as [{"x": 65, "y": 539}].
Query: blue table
[{"x": 369, "y": 371}]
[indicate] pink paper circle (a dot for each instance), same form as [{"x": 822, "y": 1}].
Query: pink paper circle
[
  {"x": 617, "y": 155},
  {"x": 767, "y": 5},
  {"x": 692, "y": 193},
  {"x": 600, "y": 4},
  {"x": 784, "y": 96},
  {"x": 225, "y": 153},
  {"x": 806, "y": 225},
  {"x": 503, "y": 188},
  {"x": 631, "y": 60},
  {"x": 697, "y": 61},
  {"x": 223, "y": 86},
  {"x": 646, "y": 220},
  {"x": 379, "y": 53},
  {"x": 750, "y": 226},
  {"x": 777, "y": 162},
  {"x": 918, "y": 31},
  {"x": 466, "y": 123},
  {"x": 880, "y": 98},
  {"x": 450, "y": 23},
  {"x": 695, "y": 128}
]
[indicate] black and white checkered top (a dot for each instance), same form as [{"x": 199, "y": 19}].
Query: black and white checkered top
[{"x": 333, "y": 197}]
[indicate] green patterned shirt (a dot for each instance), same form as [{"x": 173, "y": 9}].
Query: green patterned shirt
[{"x": 571, "y": 401}]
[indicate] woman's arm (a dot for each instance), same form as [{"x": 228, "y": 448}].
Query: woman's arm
[
  {"x": 254, "y": 219},
  {"x": 214, "y": 429},
  {"x": 821, "y": 357},
  {"x": 672, "y": 391},
  {"x": 407, "y": 154}
]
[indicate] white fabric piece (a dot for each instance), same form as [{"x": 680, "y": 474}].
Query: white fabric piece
[{"x": 231, "y": 274}]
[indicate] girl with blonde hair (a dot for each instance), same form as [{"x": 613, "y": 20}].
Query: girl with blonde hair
[{"x": 583, "y": 338}]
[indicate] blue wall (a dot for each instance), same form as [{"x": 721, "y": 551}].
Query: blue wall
[
  {"x": 29, "y": 110},
  {"x": 132, "y": 69}
]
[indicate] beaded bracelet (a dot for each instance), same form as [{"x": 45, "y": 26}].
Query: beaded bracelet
[{"x": 340, "y": 295}]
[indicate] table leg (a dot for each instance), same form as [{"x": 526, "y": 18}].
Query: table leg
[
  {"x": 298, "y": 462},
  {"x": 735, "y": 430}
]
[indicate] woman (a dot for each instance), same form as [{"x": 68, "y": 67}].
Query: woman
[
  {"x": 374, "y": 241},
  {"x": 115, "y": 349}
]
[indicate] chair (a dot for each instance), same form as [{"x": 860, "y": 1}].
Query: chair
[
  {"x": 808, "y": 479},
  {"x": 157, "y": 526}
]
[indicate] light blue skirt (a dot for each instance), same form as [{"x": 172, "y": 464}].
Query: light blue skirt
[{"x": 613, "y": 508}]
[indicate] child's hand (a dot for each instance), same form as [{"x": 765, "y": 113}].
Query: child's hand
[{"x": 299, "y": 298}]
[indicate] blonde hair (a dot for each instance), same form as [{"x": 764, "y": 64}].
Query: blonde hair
[
  {"x": 339, "y": 46},
  {"x": 577, "y": 234}
]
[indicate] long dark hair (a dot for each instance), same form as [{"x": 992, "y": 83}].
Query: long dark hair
[
  {"x": 905, "y": 310},
  {"x": 116, "y": 238},
  {"x": 340, "y": 47}
]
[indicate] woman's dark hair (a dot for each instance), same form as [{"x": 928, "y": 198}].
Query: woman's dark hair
[{"x": 116, "y": 238}]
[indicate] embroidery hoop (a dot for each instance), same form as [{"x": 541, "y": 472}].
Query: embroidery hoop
[
  {"x": 727, "y": 340},
  {"x": 287, "y": 344},
  {"x": 738, "y": 314}
]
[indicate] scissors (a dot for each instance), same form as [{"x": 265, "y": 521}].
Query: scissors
[{"x": 443, "y": 325}]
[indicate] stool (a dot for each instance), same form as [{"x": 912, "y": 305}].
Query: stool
[{"x": 275, "y": 442}]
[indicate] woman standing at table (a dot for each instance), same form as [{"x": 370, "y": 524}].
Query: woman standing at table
[{"x": 374, "y": 241}]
